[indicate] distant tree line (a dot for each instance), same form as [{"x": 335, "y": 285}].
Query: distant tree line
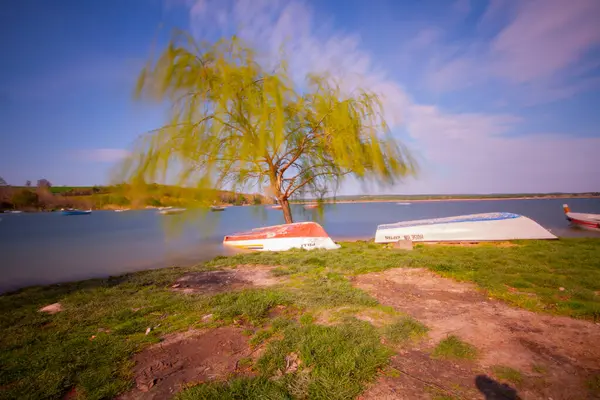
[{"x": 45, "y": 197}]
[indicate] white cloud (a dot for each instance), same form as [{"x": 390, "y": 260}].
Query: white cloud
[
  {"x": 469, "y": 152},
  {"x": 537, "y": 47},
  {"x": 102, "y": 155}
]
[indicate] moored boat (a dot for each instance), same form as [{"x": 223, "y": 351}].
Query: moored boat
[
  {"x": 217, "y": 208},
  {"x": 72, "y": 211},
  {"x": 464, "y": 228},
  {"x": 581, "y": 220},
  {"x": 122, "y": 209},
  {"x": 304, "y": 235},
  {"x": 171, "y": 210},
  {"x": 311, "y": 206},
  {"x": 276, "y": 207},
  {"x": 403, "y": 204}
]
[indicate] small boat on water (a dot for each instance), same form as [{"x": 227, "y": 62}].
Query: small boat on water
[
  {"x": 217, "y": 208},
  {"x": 403, "y": 204},
  {"x": 303, "y": 235},
  {"x": 276, "y": 207},
  {"x": 171, "y": 210},
  {"x": 72, "y": 211},
  {"x": 122, "y": 209},
  {"x": 464, "y": 228},
  {"x": 311, "y": 206},
  {"x": 581, "y": 220},
  {"x": 14, "y": 212}
]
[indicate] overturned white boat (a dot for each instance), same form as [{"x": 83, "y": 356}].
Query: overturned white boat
[
  {"x": 303, "y": 235},
  {"x": 464, "y": 228}
]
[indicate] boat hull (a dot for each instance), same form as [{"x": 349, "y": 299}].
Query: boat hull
[
  {"x": 465, "y": 228},
  {"x": 302, "y": 235},
  {"x": 76, "y": 212},
  {"x": 585, "y": 221}
]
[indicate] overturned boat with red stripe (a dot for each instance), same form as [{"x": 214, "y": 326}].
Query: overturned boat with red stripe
[
  {"x": 302, "y": 235},
  {"x": 581, "y": 220}
]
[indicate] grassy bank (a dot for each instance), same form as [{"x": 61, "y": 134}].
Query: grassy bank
[
  {"x": 88, "y": 346},
  {"x": 118, "y": 196}
]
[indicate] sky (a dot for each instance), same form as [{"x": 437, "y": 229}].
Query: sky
[{"x": 492, "y": 96}]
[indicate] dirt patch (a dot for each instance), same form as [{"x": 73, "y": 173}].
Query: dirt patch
[
  {"x": 565, "y": 348},
  {"x": 417, "y": 376},
  {"x": 243, "y": 276},
  {"x": 190, "y": 357}
]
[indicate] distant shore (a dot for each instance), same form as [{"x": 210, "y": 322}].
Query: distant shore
[{"x": 400, "y": 200}]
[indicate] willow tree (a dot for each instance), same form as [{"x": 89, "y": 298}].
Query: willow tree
[{"x": 234, "y": 125}]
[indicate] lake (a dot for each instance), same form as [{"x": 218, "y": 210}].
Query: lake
[{"x": 44, "y": 248}]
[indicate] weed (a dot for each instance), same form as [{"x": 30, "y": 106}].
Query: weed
[
  {"x": 404, "y": 330},
  {"x": 508, "y": 373},
  {"x": 261, "y": 336},
  {"x": 593, "y": 385},
  {"x": 454, "y": 348},
  {"x": 540, "y": 369}
]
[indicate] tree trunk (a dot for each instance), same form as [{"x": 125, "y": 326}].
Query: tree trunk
[{"x": 287, "y": 213}]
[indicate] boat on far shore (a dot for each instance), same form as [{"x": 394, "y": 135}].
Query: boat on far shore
[
  {"x": 122, "y": 209},
  {"x": 217, "y": 208},
  {"x": 73, "y": 211},
  {"x": 498, "y": 226},
  {"x": 171, "y": 210},
  {"x": 311, "y": 206},
  {"x": 403, "y": 204},
  {"x": 581, "y": 220}
]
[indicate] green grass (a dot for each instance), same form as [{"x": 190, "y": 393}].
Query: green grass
[
  {"x": 509, "y": 374},
  {"x": 89, "y": 346},
  {"x": 404, "y": 330},
  {"x": 43, "y": 356},
  {"x": 336, "y": 361},
  {"x": 527, "y": 275},
  {"x": 237, "y": 389},
  {"x": 454, "y": 348},
  {"x": 250, "y": 305}
]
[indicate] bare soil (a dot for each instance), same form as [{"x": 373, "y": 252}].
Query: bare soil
[
  {"x": 187, "y": 358},
  {"x": 211, "y": 282},
  {"x": 555, "y": 355}
]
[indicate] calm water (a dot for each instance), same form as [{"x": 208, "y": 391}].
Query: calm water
[{"x": 49, "y": 247}]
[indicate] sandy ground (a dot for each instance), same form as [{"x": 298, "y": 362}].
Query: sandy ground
[{"x": 556, "y": 355}]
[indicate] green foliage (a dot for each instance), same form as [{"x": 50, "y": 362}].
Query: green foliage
[
  {"x": 454, "y": 348},
  {"x": 25, "y": 198},
  {"x": 234, "y": 123}
]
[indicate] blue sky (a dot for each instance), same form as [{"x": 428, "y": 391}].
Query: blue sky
[{"x": 492, "y": 96}]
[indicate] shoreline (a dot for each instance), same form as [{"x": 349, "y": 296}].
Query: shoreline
[{"x": 449, "y": 199}]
